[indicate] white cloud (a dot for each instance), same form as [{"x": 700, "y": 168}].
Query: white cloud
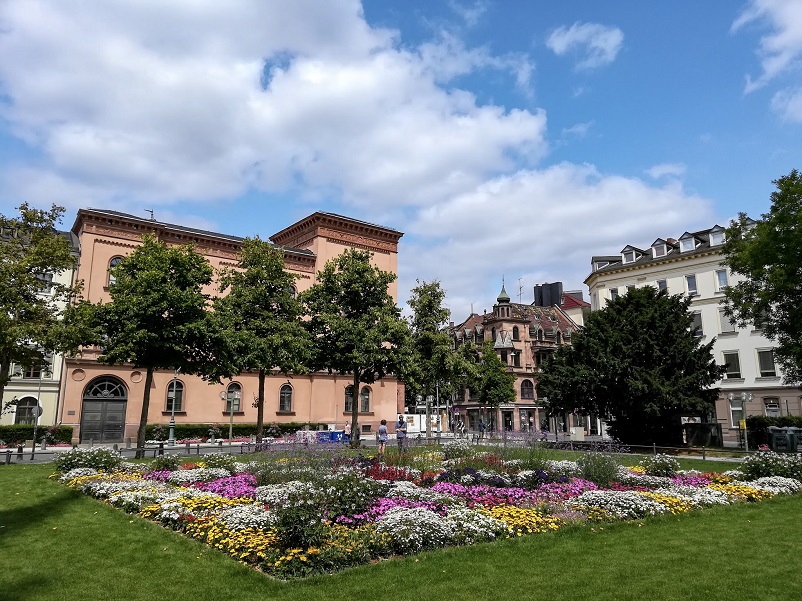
[
  {"x": 783, "y": 46},
  {"x": 597, "y": 44},
  {"x": 545, "y": 224},
  {"x": 578, "y": 130},
  {"x": 788, "y": 104},
  {"x": 470, "y": 13},
  {"x": 664, "y": 169},
  {"x": 175, "y": 101}
]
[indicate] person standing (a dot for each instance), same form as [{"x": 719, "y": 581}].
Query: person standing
[
  {"x": 382, "y": 437},
  {"x": 347, "y": 432},
  {"x": 481, "y": 429},
  {"x": 400, "y": 432}
]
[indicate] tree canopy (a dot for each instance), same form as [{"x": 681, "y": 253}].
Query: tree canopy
[
  {"x": 355, "y": 324},
  {"x": 637, "y": 362},
  {"x": 495, "y": 386},
  {"x": 258, "y": 322},
  {"x": 32, "y": 252},
  {"x": 768, "y": 254},
  {"x": 157, "y": 317}
]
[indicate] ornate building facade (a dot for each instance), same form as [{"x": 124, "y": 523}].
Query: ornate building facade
[
  {"x": 103, "y": 403},
  {"x": 523, "y": 336}
]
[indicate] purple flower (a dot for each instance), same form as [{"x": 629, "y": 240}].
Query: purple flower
[
  {"x": 241, "y": 485},
  {"x": 158, "y": 476}
]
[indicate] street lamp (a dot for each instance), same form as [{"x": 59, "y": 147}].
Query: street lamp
[{"x": 171, "y": 437}]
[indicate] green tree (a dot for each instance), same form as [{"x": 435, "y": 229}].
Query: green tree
[
  {"x": 495, "y": 386},
  {"x": 259, "y": 320},
  {"x": 639, "y": 362},
  {"x": 434, "y": 360},
  {"x": 768, "y": 254},
  {"x": 157, "y": 317},
  {"x": 32, "y": 251},
  {"x": 355, "y": 324}
]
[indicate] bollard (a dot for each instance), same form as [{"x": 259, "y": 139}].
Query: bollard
[
  {"x": 197, "y": 448},
  {"x": 161, "y": 449},
  {"x": 19, "y": 453},
  {"x": 115, "y": 447},
  {"x": 128, "y": 443},
  {"x": 91, "y": 442},
  {"x": 704, "y": 453},
  {"x": 188, "y": 449},
  {"x": 654, "y": 448},
  {"x": 220, "y": 444},
  {"x": 8, "y": 456}
]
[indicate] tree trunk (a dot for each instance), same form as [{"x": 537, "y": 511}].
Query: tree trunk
[
  {"x": 143, "y": 418},
  {"x": 5, "y": 368},
  {"x": 260, "y": 408},
  {"x": 355, "y": 433}
]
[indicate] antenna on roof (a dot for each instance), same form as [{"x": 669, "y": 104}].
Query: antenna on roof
[
  {"x": 520, "y": 290},
  {"x": 151, "y": 213},
  {"x": 471, "y": 308}
]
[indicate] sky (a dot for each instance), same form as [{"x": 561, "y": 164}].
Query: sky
[{"x": 509, "y": 140}]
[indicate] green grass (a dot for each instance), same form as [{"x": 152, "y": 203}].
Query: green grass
[{"x": 57, "y": 544}]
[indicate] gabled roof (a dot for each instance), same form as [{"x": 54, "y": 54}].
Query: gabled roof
[{"x": 571, "y": 302}]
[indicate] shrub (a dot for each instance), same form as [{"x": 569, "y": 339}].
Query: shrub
[
  {"x": 98, "y": 458},
  {"x": 226, "y": 462},
  {"x": 22, "y": 432},
  {"x": 767, "y": 463},
  {"x": 660, "y": 465},
  {"x": 166, "y": 463},
  {"x": 348, "y": 492},
  {"x": 599, "y": 468},
  {"x": 415, "y": 529},
  {"x": 299, "y": 519},
  {"x": 458, "y": 448}
]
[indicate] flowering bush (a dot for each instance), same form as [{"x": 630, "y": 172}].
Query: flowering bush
[
  {"x": 245, "y": 517},
  {"x": 777, "y": 485},
  {"x": 619, "y": 505},
  {"x": 524, "y": 521},
  {"x": 412, "y": 530},
  {"x": 241, "y": 485},
  {"x": 220, "y": 460},
  {"x": 457, "y": 448},
  {"x": 660, "y": 465},
  {"x": 199, "y": 474},
  {"x": 348, "y": 492},
  {"x": 759, "y": 465},
  {"x": 167, "y": 463},
  {"x": 470, "y": 527},
  {"x": 99, "y": 458}
]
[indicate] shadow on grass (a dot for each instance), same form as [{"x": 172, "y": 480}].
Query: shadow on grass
[
  {"x": 15, "y": 520},
  {"x": 24, "y": 587}
]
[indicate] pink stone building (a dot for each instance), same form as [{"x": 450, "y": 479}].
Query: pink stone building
[{"x": 103, "y": 403}]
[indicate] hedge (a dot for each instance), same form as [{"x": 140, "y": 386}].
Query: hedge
[
  {"x": 239, "y": 430},
  {"x": 21, "y": 432}
]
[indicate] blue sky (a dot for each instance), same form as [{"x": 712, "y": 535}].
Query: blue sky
[{"x": 505, "y": 138}]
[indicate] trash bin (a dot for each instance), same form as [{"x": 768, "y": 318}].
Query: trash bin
[
  {"x": 793, "y": 439},
  {"x": 778, "y": 439}
]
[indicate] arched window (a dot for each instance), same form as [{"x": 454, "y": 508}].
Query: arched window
[
  {"x": 540, "y": 335},
  {"x": 293, "y": 291},
  {"x": 364, "y": 400},
  {"x": 285, "y": 399},
  {"x": 233, "y": 396},
  {"x": 527, "y": 389},
  {"x": 175, "y": 395},
  {"x": 349, "y": 399},
  {"x": 113, "y": 263},
  {"x": 559, "y": 338},
  {"x": 515, "y": 332},
  {"x": 25, "y": 411},
  {"x": 493, "y": 335}
]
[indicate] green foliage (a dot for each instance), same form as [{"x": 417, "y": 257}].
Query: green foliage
[
  {"x": 599, "y": 468},
  {"x": 258, "y": 321},
  {"x": 240, "y": 430},
  {"x": 660, "y": 465},
  {"x": 220, "y": 460},
  {"x": 21, "y": 432},
  {"x": 756, "y": 426},
  {"x": 31, "y": 253},
  {"x": 157, "y": 317},
  {"x": 638, "y": 361},
  {"x": 299, "y": 519},
  {"x": 167, "y": 463},
  {"x": 496, "y": 386},
  {"x": 766, "y": 253},
  {"x": 348, "y": 492},
  {"x": 98, "y": 458},
  {"x": 355, "y": 324}
]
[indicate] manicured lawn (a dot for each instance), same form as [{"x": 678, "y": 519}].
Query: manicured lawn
[{"x": 58, "y": 544}]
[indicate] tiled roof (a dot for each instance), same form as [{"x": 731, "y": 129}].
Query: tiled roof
[{"x": 571, "y": 302}]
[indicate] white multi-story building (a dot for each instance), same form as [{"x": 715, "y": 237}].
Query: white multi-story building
[
  {"x": 38, "y": 387},
  {"x": 692, "y": 265}
]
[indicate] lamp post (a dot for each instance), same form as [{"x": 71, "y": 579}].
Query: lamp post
[
  {"x": 236, "y": 394},
  {"x": 171, "y": 437}
]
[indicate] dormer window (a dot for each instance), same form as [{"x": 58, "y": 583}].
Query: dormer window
[
  {"x": 659, "y": 250},
  {"x": 717, "y": 236},
  {"x": 687, "y": 244},
  {"x": 599, "y": 264},
  {"x": 630, "y": 256}
]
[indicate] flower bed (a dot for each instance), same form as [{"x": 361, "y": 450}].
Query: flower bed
[{"x": 309, "y": 514}]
